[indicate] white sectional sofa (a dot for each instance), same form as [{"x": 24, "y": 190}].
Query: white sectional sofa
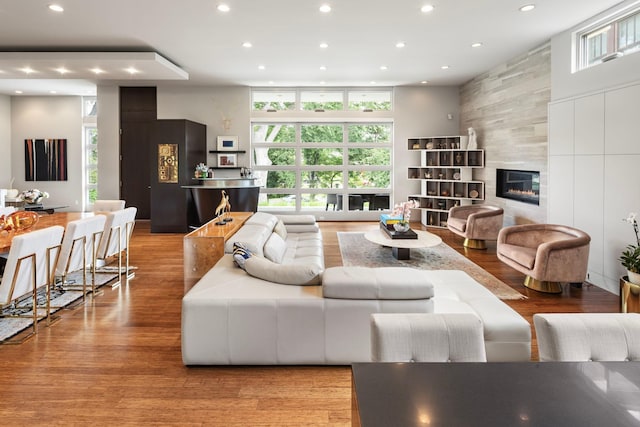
[{"x": 295, "y": 312}]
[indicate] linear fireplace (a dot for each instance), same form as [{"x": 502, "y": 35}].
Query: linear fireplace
[{"x": 520, "y": 185}]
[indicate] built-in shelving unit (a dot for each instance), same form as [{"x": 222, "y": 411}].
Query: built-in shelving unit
[{"x": 446, "y": 176}]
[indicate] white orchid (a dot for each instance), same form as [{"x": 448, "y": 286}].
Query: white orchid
[
  {"x": 404, "y": 209},
  {"x": 33, "y": 195},
  {"x": 631, "y": 219}
]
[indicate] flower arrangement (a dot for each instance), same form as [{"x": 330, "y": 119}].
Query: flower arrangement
[
  {"x": 404, "y": 209},
  {"x": 630, "y": 257},
  {"x": 33, "y": 196}
]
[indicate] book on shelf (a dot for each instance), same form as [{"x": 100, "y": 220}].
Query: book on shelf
[{"x": 393, "y": 234}]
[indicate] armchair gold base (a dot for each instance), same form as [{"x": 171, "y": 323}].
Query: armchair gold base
[
  {"x": 475, "y": 244},
  {"x": 543, "y": 285}
]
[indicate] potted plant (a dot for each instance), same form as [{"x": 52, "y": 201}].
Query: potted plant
[{"x": 630, "y": 257}]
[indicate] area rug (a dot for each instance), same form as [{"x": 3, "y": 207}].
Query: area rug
[
  {"x": 60, "y": 298},
  {"x": 358, "y": 251}
]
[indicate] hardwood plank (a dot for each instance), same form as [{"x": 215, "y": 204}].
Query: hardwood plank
[{"x": 117, "y": 359}]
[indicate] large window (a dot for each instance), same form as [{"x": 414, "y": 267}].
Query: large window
[
  {"x": 323, "y": 166},
  {"x": 617, "y": 36},
  {"x": 327, "y": 151},
  {"x": 91, "y": 151}
]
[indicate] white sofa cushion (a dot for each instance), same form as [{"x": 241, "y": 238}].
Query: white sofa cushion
[
  {"x": 280, "y": 229},
  {"x": 384, "y": 283},
  {"x": 275, "y": 248},
  {"x": 253, "y": 236},
  {"x": 286, "y": 274},
  {"x": 262, "y": 218}
]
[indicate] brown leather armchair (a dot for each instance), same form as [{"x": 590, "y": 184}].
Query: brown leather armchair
[
  {"x": 476, "y": 223},
  {"x": 548, "y": 254}
]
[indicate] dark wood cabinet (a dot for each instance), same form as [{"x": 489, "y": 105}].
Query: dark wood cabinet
[
  {"x": 138, "y": 114},
  {"x": 177, "y": 147}
]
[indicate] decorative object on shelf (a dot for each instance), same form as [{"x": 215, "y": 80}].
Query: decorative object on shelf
[
  {"x": 416, "y": 146},
  {"x": 201, "y": 171},
  {"x": 456, "y": 175},
  {"x": 403, "y": 210},
  {"x": 458, "y": 158},
  {"x": 429, "y": 146},
  {"x": 227, "y": 160},
  {"x": 227, "y": 143},
  {"x": 473, "y": 141},
  {"x": 630, "y": 257},
  {"x": 474, "y": 194},
  {"x": 427, "y": 175},
  {"x": 464, "y": 141},
  {"x": 444, "y": 193},
  {"x": 33, "y": 196},
  {"x": 246, "y": 172}
]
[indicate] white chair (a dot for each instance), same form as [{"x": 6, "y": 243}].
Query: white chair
[
  {"x": 588, "y": 336},
  {"x": 102, "y": 206},
  {"x": 118, "y": 228},
  {"x": 427, "y": 337},
  {"x": 29, "y": 267},
  {"x": 78, "y": 250}
]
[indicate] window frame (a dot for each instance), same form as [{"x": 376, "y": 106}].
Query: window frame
[
  {"x": 610, "y": 25},
  {"x": 89, "y": 124}
]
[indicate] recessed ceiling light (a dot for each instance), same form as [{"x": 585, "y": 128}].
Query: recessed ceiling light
[
  {"x": 271, "y": 82},
  {"x": 400, "y": 44},
  {"x": 18, "y": 92},
  {"x": 52, "y": 92},
  {"x": 383, "y": 67},
  {"x": 261, "y": 67},
  {"x": 62, "y": 70},
  {"x": 56, "y": 8},
  {"x": 247, "y": 44},
  {"x": 372, "y": 82},
  {"x": 222, "y": 7},
  {"x": 324, "y": 45},
  {"x": 527, "y": 8},
  {"x": 477, "y": 44},
  {"x": 323, "y": 82},
  {"x": 27, "y": 70},
  {"x": 424, "y": 82},
  {"x": 131, "y": 70},
  {"x": 325, "y": 8},
  {"x": 445, "y": 67},
  {"x": 427, "y": 8},
  {"x": 96, "y": 70}
]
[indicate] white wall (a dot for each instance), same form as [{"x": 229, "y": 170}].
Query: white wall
[
  {"x": 594, "y": 153},
  {"x": 418, "y": 112},
  {"x": 5, "y": 141},
  {"x": 58, "y": 117},
  {"x": 565, "y": 84},
  {"x": 210, "y": 106}
]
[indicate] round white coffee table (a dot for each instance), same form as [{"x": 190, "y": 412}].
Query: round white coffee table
[{"x": 401, "y": 247}]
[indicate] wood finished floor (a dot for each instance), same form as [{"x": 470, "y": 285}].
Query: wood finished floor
[{"x": 116, "y": 360}]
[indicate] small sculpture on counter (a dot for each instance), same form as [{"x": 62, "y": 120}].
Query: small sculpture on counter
[{"x": 223, "y": 209}]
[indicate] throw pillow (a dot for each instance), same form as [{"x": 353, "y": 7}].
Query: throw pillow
[
  {"x": 280, "y": 229},
  {"x": 274, "y": 248},
  {"x": 241, "y": 254},
  {"x": 285, "y": 274}
]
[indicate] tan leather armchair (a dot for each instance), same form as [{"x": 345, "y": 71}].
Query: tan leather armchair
[
  {"x": 548, "y": 254},
  {"x": 476, "y": 223}
]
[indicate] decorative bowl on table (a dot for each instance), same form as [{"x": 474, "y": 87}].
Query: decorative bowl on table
[{"x": 401, "y": 227}]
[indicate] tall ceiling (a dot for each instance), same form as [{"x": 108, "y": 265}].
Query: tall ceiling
[{"x": 197, "y": 44}]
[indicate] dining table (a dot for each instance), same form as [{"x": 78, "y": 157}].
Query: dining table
[{"x": 44, "y": 221}]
